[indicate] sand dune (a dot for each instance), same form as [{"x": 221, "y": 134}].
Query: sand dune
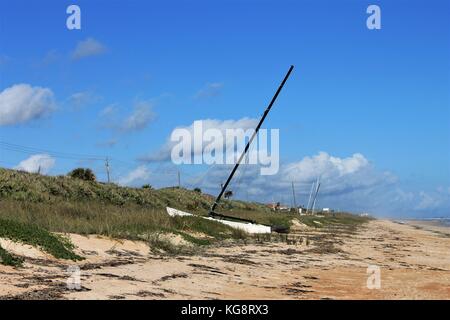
[{"x": 414, "y": 262}]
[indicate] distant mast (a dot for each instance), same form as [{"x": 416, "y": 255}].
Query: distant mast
[
  {"x": 293, "y": 195},
  {"x": 310, "y": 197},
  {"x": 315, "y": 196}
]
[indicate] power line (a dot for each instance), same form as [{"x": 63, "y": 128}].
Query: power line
[
  {"x": 56, "y": 154},
  {"x": 108, "y": 163},
  {"x": 64, "y": 155}
]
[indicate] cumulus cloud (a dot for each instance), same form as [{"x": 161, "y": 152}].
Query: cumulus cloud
[
  {"x": 347, "y": 183},
  {"x": 87, "y": 48},
  {"x": 37, "y": 163},
  {"x": 433, "y": 200},
  {"x": 338, "y": 176},
  {"x": 21, "y": 103},
  {"x": 141, "y": 116},
  {"x": 197, "y": 142},
  {"x": 82, "y": 98},
  {"x": 135, "y": 177},
  {"x": 351, "y": 183},
  {"x": 109, "y": 111},
  {"x": 210, "y": 90}
]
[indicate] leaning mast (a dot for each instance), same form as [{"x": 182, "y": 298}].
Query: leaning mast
[{"x": 212, "y": 213}]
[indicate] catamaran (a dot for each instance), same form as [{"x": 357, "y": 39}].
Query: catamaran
[{"x": 247, "y": 225}]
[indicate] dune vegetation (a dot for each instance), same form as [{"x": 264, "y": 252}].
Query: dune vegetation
[{"x": 37, "y": 209}]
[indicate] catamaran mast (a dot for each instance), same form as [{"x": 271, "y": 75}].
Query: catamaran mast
[
  {"x": 315, "y": 198},
  {"x": 310, "y": 196},
  {"x": 293, "y": 196},
  {"x": 224, "y": 187}
]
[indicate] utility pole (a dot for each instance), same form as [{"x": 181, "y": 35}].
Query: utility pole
[
  {"x": 293, "y": 195},
  {"x": 39, "y": 170},
  {"x": 107, "y": 168},
  {"x": 179, "y": 180}
]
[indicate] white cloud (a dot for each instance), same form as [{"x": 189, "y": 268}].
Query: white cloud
[
  {"x": 164, "y": 153},
  {"x": 136, "y": 176},
  {"x": 340, "y": 174},
  {"x": 83, "y": 98},
  {"x": 87, "y": 48},
  {"x": 433, "y": 200},
  {"x": 210, "y": 90},
  {"x": 337, "y": 175},
  {"x": 22, "y": 102},
  {"x": 349, "y": 183},
  {"x": 37, "y": 163},
  {"x": 325, "y": 165},
  {"x": 141, "y": 116},
  {"x": 109, "y": 111}
]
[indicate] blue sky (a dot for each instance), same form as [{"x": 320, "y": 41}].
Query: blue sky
[{"x": 383, "y": 94}]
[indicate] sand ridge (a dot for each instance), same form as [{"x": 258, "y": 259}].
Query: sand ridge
[{"x": 414, "y": 264}]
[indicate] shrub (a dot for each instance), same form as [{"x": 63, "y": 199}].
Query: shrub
[
  {"x": 228, "y": 194},
  {"x": 83, "y": 174},
  {"x": 8, "y": 259},
  {"x": 147, "y": 186},
  {"x": 198, "y": 190},
  {"x": 28, "y": 233}
]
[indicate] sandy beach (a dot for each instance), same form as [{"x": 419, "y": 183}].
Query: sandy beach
[{"x": 414, "y": 260}]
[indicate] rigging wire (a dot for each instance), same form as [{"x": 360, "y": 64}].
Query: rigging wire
[{"x": 243, "y": 171}]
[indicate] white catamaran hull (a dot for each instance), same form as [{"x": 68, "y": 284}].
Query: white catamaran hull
[{"x": 247, "y": 227}]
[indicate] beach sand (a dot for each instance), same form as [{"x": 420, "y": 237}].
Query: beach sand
[{"x": 413, "y": 259}]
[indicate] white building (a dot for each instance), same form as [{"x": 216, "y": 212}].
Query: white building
[{"x": 302, "y": 210}]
